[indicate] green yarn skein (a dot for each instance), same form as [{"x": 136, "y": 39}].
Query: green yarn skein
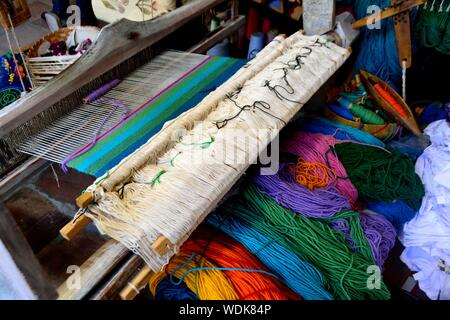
[{"x": 381, "y": 175}]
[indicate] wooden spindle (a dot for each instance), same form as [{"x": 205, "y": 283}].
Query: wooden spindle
[{"x": 133, "y": 287}]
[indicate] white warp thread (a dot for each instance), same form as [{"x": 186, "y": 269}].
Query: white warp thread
[{"x": 135, "y": 208}]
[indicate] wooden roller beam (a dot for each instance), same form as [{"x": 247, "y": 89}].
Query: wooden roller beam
[
  {"x": 387, "y": 12},
  {"x": 133, "y": 287}
]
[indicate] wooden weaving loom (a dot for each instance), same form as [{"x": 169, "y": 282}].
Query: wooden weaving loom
[
  {"x": 142, "y": 202},
  {"x": 122, "y": 47},
  {"x": 243, "y": 115}
]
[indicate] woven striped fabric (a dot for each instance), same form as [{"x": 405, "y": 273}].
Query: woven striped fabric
[{"x": 150, "y": 118}]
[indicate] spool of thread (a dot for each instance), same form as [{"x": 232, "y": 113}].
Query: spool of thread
[
  {"x": 390, "y": 99},
  {"x": 265, "y": 26},
  {"x": 381, "y": 175},
  {"x": 98, "y": 93},
  {"x": 252, "y": 22},
  {"x": 256, "y": 44},
  {"x": 339, "y": 110},
  {"x": 397, "y": 212},
  {"x": 220, "y": 50},
  {"x": 367, "y": 116}
]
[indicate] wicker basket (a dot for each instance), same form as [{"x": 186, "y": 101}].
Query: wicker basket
[
  {"x": 43, "y": 69},
  {"x": 59, "y": 35}
]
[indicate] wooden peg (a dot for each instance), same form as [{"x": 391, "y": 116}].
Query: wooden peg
[
  {"x": 387, "y": 12},
  {"x": 70, "y": 230},
  {"x": 133, "y": 287},
  {"x": 85, "y": 199},
  {"x": 162, "y": 245}
]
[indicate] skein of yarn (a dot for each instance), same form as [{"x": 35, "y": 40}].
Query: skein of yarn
[
  {"x": 313, "y": 241},
  {"x": 380, "y": 235},
  {"x": 316, "y": 147},
  {"x": 433, "y": 25},
  {"x": 209, "y": 284},
  {"x": 300, "y": 276},
  {"x": 377, "y": 50},
  {"x": 381, "y": 175},
  {"x": 367, "y": 116},
  {"x": 313, "y": 175},
  {"x": 320, "y": 203},
  {"x": 250, "y": 278}
]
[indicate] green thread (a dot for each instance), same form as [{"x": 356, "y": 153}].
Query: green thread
[
  {"x": 433, "y": 26},
  {"x": 156, "y": 179},
  {"x": 202, "y": 145},
  {"x": 314, "y": 241},
  {"x": 171, "y": 161},
  {"x": 381, "y": 175}
]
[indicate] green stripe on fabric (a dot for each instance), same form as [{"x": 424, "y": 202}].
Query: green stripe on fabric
[{"x": 120, "y": 138}]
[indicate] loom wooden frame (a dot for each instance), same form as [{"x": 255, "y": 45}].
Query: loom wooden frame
[
  {"x": 18, "y": 17},
  {"x": 116, "y": 43},
  {"x": 19, "y": 263},
  {"x": 111, "y": 254}
]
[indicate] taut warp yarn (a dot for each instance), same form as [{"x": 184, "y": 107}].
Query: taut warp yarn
[
  {"x": 381, "y": 175},
  {"x": 300, "y": 276},
  {"x": 316, "y": 147},
  {"x": 313, "y": 241}
]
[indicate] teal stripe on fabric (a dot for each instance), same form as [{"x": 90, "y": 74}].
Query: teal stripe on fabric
[
  {"x": 186, "y": 106},
  {"x": 157, "y": 112},
  {"x": 144, "y": 118}
]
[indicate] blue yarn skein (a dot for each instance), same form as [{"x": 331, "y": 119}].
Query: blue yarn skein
[
  {"x": 377, "y": 50},
  {"x": 298, "y": 275},
  {"x": 166, "y": 290},
  {"x": 432, "y": 112},
  {"x": 341, "y": 111},
  {"x": 397, "y": 212}
]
